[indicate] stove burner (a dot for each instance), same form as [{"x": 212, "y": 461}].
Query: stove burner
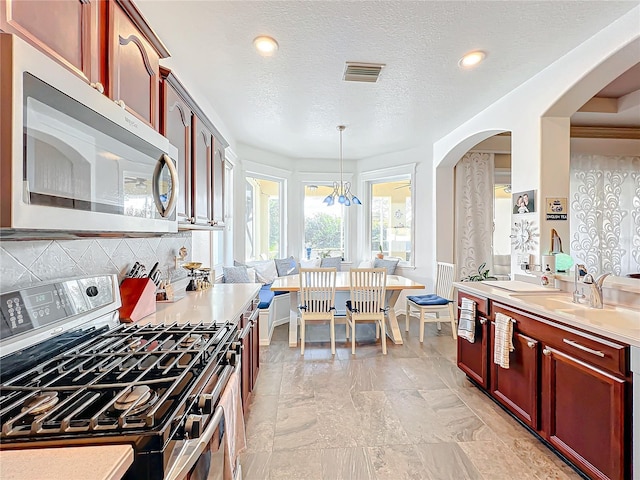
[
  {"x": 134, "y": 343},
  {"x": 41, "y": 403},
  {"x": 141, "y": 396},
  {"x": 192, "y": 341}
]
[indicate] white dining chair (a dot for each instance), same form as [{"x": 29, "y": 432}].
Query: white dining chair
[
  {"x": 317, "y": 301},
  {"x": 430, "y": 306},
  {"x": 367, "y": 287}
]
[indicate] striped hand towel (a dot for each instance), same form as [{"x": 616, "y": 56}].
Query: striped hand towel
[
  {"x": 467, "y": 320},
  {"x": 503, "y": 341}
]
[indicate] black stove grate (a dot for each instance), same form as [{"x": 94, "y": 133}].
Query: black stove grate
[{"x": 129, "y": 379}]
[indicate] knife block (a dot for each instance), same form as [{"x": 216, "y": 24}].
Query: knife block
[{"x": 138, "y": 299}]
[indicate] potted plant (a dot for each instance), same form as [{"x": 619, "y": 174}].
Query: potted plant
[
  {"x": 483, "y": 274},
  {"x": 380, "y": 254}
]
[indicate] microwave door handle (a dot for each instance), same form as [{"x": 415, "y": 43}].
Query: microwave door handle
[{"x": 171, "y": 204}]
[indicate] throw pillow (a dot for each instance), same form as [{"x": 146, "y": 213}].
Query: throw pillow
[
  {"x": 313, "y": 263},
  {"x": 235, "y": 274},
  {"x": 286, "y": 266},
  {"x": 265, "y": 271},
  {"x": 366, "y": 264},
  {"x": 330, "y": 262},
  {"x": 389, "y": 263},
  {"x": 252, "y": 274}
]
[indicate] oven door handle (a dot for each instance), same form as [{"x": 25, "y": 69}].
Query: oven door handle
[
  {"x": 252, "y": 321},
  {"x": 155, "y": 185},
  {"x": 245, "y": 331},
  {"x": 191, "y": 450}
]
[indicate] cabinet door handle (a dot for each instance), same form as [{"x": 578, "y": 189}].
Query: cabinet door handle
[
  {"x": 583, "y": 348},
  {"x": 483, "y": 320},
  {"x": 531, "y": 344},
  {"x": 546, "y": 351}
]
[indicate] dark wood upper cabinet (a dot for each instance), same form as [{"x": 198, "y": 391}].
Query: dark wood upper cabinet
[
  {"x": 106, "y": 42},
  {"x": 176, "y": 116},
  {"x": 66, "y": 30},
  {"x": 218, "y": 182},
  {"x": 201, "y": 156},
  {"x": 202, "y": 176},
  {"x": 133, "y": 61}
]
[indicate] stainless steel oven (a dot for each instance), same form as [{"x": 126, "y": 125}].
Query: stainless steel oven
[
  {"x": 74, "y": 160},
  {"x": 72, "y": 375}
]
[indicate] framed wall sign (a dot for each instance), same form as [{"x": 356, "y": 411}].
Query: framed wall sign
[{"x": 556, "y": 208}]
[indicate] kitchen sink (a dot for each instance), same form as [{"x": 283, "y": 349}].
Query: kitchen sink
[
  {"x": 552, "y": 302},
  {"x": 613, "y": 316}
]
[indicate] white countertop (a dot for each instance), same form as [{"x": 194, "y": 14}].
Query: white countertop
[
  {"x": 614, "y": 322},
  {"x": 223, "y": 302},
  {"x": 107, "y": 462}
]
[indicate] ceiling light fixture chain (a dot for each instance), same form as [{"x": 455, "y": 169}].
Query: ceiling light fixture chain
[{"x": 342, "y": 190}]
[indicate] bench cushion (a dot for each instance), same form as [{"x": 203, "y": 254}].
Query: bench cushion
[
  {"x": 431, "y": 299},
  {"x": 266, "y": 296}
]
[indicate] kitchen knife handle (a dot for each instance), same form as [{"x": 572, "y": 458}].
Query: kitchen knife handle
[{"x": 153, "y": 270}]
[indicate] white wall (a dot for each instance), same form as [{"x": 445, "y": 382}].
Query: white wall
[{"x": 557, "y": 91}]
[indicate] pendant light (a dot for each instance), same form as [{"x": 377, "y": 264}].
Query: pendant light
[{"x": 342, "y": 190}]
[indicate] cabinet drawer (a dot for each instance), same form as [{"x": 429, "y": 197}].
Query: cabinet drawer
[
  {"x": 482, "y": 304},
  {"x": 593, "y": 350}
]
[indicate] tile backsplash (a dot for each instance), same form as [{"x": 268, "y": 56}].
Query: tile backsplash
[{"x": 29, "y": 262}]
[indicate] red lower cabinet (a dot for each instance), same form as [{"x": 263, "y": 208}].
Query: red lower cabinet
[
  {"x": 472, "y": 357},
  {"x": 517, "y": 387},
  {"x": 585, "y": 415},
  {"x": 569, "y": 386}
]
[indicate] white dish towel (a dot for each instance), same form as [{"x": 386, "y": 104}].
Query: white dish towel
[
  {"x": 467, "y": 320},
  {"x": 235, "y": 438},
  {"x": 503, "y": 341}
]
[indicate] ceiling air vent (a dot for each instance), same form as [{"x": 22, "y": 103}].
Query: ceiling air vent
[{"x": 362, "y": 72}]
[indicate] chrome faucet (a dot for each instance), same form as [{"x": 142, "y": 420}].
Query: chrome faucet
[
  {"x": 595, "y": 299},
  {"x": 577, "y": 275}
]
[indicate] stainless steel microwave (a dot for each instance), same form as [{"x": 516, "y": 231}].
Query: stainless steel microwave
[{"x": 71, "y": 158}]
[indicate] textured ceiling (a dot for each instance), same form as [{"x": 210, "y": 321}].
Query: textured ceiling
[{"x": 290, "y": 103}]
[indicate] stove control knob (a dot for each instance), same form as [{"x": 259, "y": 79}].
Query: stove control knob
[
  {"x": 232, "y": 358},
  {"x": 205, "y": 403},
  {"x": 237, "y": 346},
  {"x": 193, "y": 426}
]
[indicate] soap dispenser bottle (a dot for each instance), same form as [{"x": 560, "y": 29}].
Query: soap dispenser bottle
[{"x": 545, "y": 278}]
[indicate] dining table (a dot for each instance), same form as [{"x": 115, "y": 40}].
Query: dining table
[{"x": 395, "y": 285}]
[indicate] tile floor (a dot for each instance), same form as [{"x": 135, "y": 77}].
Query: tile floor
[{"x": 409, "y": 415}]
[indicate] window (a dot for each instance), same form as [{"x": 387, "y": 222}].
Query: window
[
  {"x": 263, "y": 214},
  {"x": 391, "y": 218},
  {"x": 390, "y": 221},
  {"x": 324, "y": 227}
]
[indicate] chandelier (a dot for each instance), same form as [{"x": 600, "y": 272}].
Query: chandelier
[{"x": 341, "y": 190}]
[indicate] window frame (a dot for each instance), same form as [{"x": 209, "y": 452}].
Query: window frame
[
  {"x": 385, "y": 175},
  {"x": 282, "y": 189},
  {"x": 327, "y": 179}
]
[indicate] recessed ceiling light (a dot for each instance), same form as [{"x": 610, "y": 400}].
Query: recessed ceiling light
[
  {"x": 471, "y": 59},
  {"x": 266, "y": 46}
]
